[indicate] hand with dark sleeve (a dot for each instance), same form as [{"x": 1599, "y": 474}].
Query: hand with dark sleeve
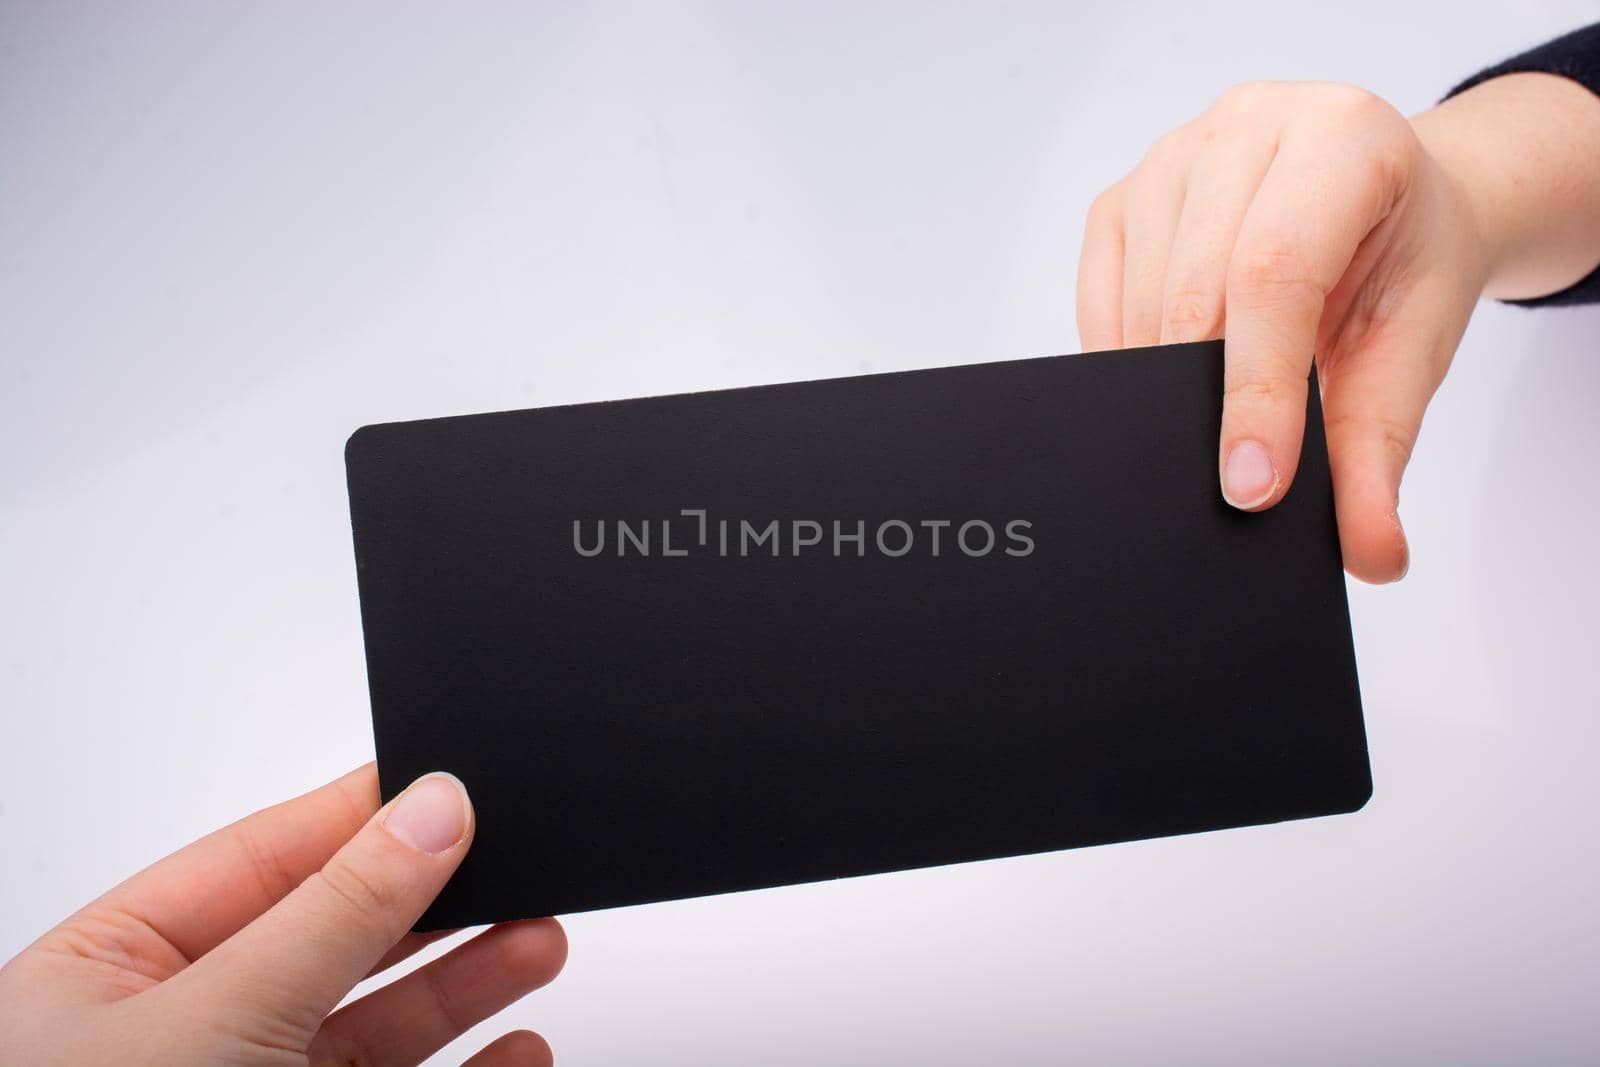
[{"x": 1313, "y": 223}]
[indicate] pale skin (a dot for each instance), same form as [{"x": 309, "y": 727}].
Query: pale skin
[
  {"x": 238, "y": 948},
  {"x": 1305, "y": 221},
  {"x": 1312, "y": 221}
]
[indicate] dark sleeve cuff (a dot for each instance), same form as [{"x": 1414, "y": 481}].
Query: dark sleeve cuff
[{"x": 1575, "y": 56}]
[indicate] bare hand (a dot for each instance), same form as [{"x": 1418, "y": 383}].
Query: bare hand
[
  {"x": 1312, "y": 220},
  {"x": 236, "y": 949}
]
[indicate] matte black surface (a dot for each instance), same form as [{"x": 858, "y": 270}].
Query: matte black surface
[{"x": 642, "y": 728}]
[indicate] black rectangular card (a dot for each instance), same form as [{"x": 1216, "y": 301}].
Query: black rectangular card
[{"x": 719, "y": 641}]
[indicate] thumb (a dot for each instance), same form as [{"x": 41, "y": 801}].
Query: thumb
[
  {"x": 1373, "y": 411},
  {"x": 291, "y": 966},
  {"x": 1299, "y": 237}
]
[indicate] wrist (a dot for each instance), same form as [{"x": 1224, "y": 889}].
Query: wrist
[
  {"x": 1452, "y": 140},
  {"x": 1519, "y": 149}
]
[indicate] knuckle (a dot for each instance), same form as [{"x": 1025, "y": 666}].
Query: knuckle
[
  {"x": 1396, "y": 437},
  {"x": 1352, "y": 99},
  {"x": 1387, "y": 165},
  {"x": 1273, "y": 270},
  {"x": 1249, "y": 105},
  {"x": 266, "y": 864},
  {"x": 1362, "y": 112},
  {"x": 361, "y": 804},
  {"x": 1192, "y": 311},
  {"x": 1398, "y": 441},
  {"x": 111, "y": 935},
  {"x": 1103, "y": 209},
  {"x": 368, "y": 899},
  {"x": 1387, "y": 139},
  {"x": 1245, "y": 95},
  {"x": 269, "y": 1037},
  {"x": 1254, "y": 389},
  {"x": 1167, "y": 150},
  {"x": 457, "y": 1019},
  {"x": 1392, "y": 158},
  {"x": 1365, "y": 109}
]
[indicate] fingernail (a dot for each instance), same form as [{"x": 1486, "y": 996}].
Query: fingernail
[
  {"x": 1247, "y": 477},
  {"x": 1405, "y": 547},
  {"x": 431, "y": 815}
]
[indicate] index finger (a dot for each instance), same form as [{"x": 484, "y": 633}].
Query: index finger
[
  {"x": 207, "y": 891},
  {"x": 1318, "y": 202}
]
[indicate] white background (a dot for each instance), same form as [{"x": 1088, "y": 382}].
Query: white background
[{"x": 229, "y": 234}]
